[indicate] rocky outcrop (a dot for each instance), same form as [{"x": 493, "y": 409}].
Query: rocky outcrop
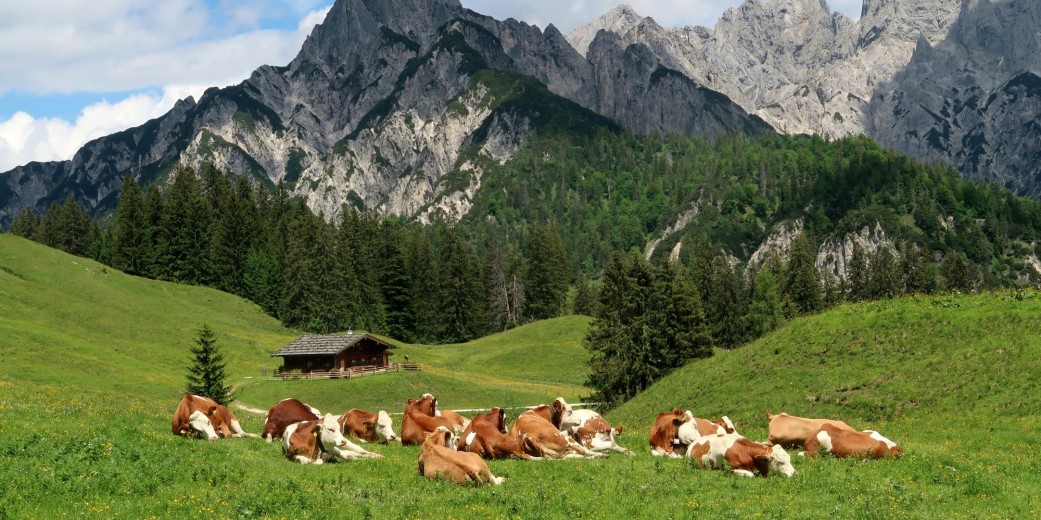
[
  {"x": 778, "y": 244},
  {"x": 834, "y": 256},
  {"x": 389, "y": 105}
]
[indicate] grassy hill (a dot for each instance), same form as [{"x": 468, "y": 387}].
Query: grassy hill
[{"x": 953, "y": 379}]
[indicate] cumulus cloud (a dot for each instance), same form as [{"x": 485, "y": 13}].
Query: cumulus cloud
[{"x": 185, "y": 64}]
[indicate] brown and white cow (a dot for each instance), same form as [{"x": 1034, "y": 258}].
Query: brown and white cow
[
  {"x": 459, "y": 422},
  {"x": 598, "y": 435},
  {"x": 319, "y": 441},
  {"x": 438, "y": 459},
  {"x": 420, "y": 420},
  {"x": 538, "y": 425},
  {"x": 664, "y": 437},
  {"x": 368, "y": 427},
  {"x": 844, "y": 443},
  {"x": 197, "y": 415},
  {"x": 744, "y": 457},
  {"x": 697, "y": 428},
  {"x": 284, "y": 413},
  {"x": 486, "y": 437},
  {"x": 791, "y": 431}
]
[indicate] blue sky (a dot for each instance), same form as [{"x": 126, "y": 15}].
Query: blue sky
[{"x": 75, "y": 70}]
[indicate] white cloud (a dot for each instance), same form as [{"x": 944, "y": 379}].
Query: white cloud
[
  {"x": 187, "y": 68},
  {"x": 24, "y": 138}
]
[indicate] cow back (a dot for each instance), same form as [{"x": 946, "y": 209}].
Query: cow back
[{"x": 284, "y": 413}]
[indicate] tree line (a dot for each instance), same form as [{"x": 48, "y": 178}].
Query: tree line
[{"x": 416, "y": 283}]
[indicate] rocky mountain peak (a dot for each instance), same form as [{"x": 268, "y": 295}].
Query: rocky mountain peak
[{"x": 618, "y": 21}]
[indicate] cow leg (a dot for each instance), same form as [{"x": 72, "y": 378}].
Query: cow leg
[
  {"x": 239, "y": 432},
  {"x": 354, "y": 448},
  {"x": 744, "y": 473},
  {"x": 584, "y": 451},
  {"x": 305, "y": 460}
]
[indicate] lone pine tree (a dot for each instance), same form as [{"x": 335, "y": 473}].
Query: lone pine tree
[{"x": 206, "y": 375}]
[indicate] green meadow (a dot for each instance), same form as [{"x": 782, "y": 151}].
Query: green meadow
[{"x": 93, "y": 363}]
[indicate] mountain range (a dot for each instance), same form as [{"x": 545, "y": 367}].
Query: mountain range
[{"x": 402, "y": 106}]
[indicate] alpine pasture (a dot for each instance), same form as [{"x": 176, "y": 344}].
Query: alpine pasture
[{"x": 94, "y": 361}]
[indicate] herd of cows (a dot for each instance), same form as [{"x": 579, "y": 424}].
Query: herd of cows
[{"x": 455, "y": 447}]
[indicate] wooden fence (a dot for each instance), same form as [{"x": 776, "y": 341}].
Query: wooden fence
[{"x": 350, "y": 373}]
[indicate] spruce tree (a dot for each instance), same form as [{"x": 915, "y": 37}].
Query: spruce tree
[
  {"x": 460, "y": 290},
  {"x": 802, "y": 282},
  {"x": 585, "y": 296},
  {"x": 396, "y": 287},
  {"x": 24, "y": 225},
  {"x": 766, "y": 311},
  {"x": 425, "y": 305},
  {"x": 234, "y": 236},
  {"x": 726, "y": 304},
  {"x": 547, "y": 277},
  {"x": 74, "y": 225},
  {"x": 858, "y": 274},
  {"x": 131, "y": 239},
  {"x": 884, "y": 281},
  {"x": 957, "y": 271},
  {"x": 206, "y": 375},
  {"x": 184, "y": 256}
]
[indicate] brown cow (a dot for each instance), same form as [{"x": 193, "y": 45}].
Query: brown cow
[
  {"x": 368, "y": 427},
  {"x": 598, "y": 435},
  {"x": 744, "y": 457},
  {"x": 437, "y": 459},
  {"x": 791, "y": 431},
  {"x": 458, "y": 421},
  {"x": 419, "y": 420},
  {"x": 284, "y": 413},
  {"x": 486, "y": 436},
  {"x": 664, "y": 436},
  {"x": 203, "y": 416},
  {"x": 538, "y": 426},
  {"x": 697, "y": 428},
  {"x": 843, "y": 443},
  {"x": 320, "y": 441},
  {"x": 553, "y": 413}
]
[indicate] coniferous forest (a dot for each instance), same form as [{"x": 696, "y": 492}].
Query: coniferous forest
[{"x": 562, "y": 228}]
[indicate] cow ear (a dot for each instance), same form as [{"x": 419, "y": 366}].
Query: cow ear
[{"x": 212, "y": 411}]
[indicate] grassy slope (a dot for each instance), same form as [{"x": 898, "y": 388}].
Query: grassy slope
[
  {"x": 951, "y": 379},
  {"x": 72, "y": 322}
]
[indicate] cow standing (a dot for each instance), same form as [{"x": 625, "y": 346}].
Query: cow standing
[
  {"x": 744, "y": 457},
  {"x": 438, "y": 459},
  {"x": 319, "y": 441},
  {"x": 197, "y": 415},
  {"x": 284, "y": 413}
]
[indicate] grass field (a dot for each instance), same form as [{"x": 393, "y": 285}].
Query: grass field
[{"x": 84, "y": 431}]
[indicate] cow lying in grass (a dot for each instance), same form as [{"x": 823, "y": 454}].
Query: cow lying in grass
[
  {"x": 284, "y": 413},
  {"x": 486, "y": 436},
  {"x": 438, "y": 459},
  {"x": 368, "y": 427},
  {"x": 540, "y": 424},
  {"x": 744, "y": 457},
  {"x": 793, "y": 432},
  {"x": 844, "y": 443},
  {"x": 320, "y": 441},
  {"x": 202, "y": 416},
  {"x": 421, "y": 418}
]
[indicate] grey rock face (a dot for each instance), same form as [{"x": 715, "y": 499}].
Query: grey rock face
[
  {"x": 973, "y": 99},
  {"x": 941, "y": 80},
  {"x": 377, "y": 110}
]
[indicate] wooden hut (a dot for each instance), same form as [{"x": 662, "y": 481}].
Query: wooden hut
[{"x": 334, "y": 353}]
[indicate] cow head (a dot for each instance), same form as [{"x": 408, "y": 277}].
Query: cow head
[
  {"x": 383, "y": 427},
  {"x": 779, "y": 462},
  {"x": 426, "y": 404},
  {"x": 725, "y": 423},
  {"x": 441, "y": 437},
  {"x": 894, "y": 449},
  {"x": 330, "y": 438},
  {"x": 200, "y": 424},
  {"x": 560, "y": 410}
]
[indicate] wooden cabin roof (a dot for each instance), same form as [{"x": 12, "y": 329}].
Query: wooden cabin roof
[{"x": 326, "y": 345}]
